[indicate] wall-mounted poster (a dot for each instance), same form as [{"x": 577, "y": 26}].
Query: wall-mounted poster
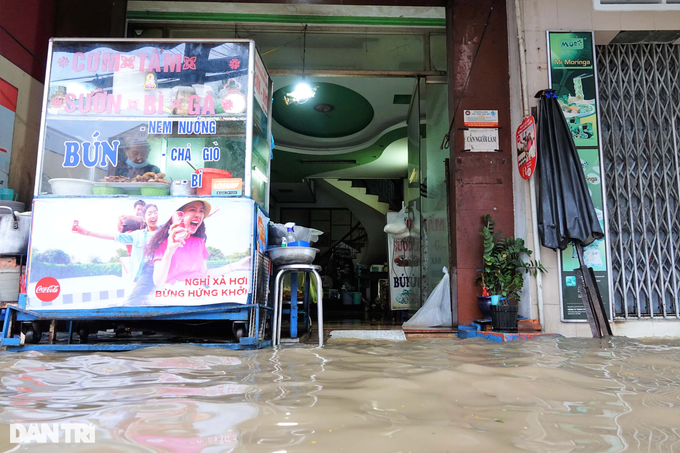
[
  {"x": 526, "y": 147},
  {"x": 574, "y": 79},
  {"x": 573, "y": 76},
  {"x": 8, "y": 109},
  {"x": 86, "y": 254}
]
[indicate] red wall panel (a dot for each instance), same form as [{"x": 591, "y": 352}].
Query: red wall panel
[{"x": 31, "y": 22}]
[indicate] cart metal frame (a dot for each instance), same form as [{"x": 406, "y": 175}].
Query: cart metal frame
[{"x": 256, "y": 338}]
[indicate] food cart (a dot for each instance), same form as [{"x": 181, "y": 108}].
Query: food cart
[{"x": 151, "y": 197}]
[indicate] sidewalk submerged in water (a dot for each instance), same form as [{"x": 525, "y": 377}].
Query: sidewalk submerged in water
[{"x": 549, "y": 394}]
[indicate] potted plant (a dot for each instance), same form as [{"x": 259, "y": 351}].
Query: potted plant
[{"x": 502, "y": 277}]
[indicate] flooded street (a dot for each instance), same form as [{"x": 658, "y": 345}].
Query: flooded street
[{"x": 555, "y": 395}]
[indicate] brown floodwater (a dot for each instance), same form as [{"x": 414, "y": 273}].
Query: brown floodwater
[{"x": 545, "y": 395}]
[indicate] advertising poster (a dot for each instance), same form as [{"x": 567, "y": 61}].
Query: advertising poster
[
  {"x": 262, "y": 230},
  {"x": 88, "y": 254},
  {"x": 8, "y": 108},
  {"x": 402, "y": 266},
  {"x": 526, "y": 147},
  {"x": 573, "y": 76}
]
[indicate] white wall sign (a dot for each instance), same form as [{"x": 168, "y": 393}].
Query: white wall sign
[{"x": 481, "y": 140}]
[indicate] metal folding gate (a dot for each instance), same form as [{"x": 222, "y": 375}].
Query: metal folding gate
[{"x": 639, "y": 90}]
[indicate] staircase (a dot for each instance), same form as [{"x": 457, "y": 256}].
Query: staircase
[
  {"x": 369, "y": 211},
  {"x": 387, "y": 190},
  {"x": 360, "y": 193}
]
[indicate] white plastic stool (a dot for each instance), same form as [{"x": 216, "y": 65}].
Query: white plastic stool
[{"x": 278, "y": 298}]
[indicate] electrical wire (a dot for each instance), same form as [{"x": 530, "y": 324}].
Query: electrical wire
[
  {"x": 447, "y": 137},
  {"x": 24, "y": 47},
  {"x": 281, "y": 47},
  {"x": 304, "y": 51}
]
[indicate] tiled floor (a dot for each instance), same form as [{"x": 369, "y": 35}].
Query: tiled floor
[{"x": 359, "y": 325}]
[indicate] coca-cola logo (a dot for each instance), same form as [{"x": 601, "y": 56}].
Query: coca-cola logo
[{"x": 47, "y": 289}]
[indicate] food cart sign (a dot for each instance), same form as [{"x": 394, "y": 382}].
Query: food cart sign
[
  {"x": 145, "y": 79},
  {"x": 526, "y": 147},
  {"x": 480, "y": 118},
  {"x": 261, "y": 84}
]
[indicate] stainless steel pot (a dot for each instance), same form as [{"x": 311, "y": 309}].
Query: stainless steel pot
[
  {"x": 14, "y": 231},
  {"x": 181, "y": 189}
]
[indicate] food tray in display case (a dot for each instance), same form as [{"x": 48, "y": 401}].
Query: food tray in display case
[{"x": 133, "y": 185}]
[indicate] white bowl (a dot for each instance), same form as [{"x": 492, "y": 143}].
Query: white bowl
[
  {"x": 69, "y": 186},
  {"x": 292, "y": 255}
]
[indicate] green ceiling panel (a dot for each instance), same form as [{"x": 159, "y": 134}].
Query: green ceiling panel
[
  {"x": 350, "y": 113},
  {"x": 288, "y": 167}
]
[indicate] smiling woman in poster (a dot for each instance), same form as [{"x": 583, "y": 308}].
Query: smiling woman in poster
[{"x": 178, "y": 249}]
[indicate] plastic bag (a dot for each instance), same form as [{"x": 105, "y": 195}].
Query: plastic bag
[
  {"x": 398, "y": 228},
  {"x": 277, "y": 231},
  {"x": 437, "y": 309},
  {"x": 395, "y": 228}
]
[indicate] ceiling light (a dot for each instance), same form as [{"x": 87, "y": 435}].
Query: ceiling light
[{"x": 303, "y": 92}]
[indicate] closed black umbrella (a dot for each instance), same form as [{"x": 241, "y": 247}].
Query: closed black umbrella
[{"x": 565, "y": 210}]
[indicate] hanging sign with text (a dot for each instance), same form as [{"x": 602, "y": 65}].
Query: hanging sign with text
[
  {"x": 481, "y": 140},
  {"x": 526, "y": 147}
]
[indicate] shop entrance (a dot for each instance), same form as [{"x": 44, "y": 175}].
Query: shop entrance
[
  {"x": 365, "y": 145},
  {"x": 394, "y": 174}
]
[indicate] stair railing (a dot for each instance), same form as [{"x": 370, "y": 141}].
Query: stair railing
[{"x": 355, "y": 238}]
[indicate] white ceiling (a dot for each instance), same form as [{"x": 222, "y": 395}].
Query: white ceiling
[{"x": 392, "y": 164}]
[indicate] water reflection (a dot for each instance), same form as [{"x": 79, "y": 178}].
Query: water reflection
[{"x": 546, "y": 395}]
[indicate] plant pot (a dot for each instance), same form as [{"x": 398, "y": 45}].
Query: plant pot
[
  {"x": 504, "y": 317},
  {"x": 484, "y": 304}
]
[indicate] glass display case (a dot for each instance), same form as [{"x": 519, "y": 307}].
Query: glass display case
[{"x": 155, "y": 118}]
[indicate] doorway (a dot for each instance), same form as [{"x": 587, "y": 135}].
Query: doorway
[{"x": 347, "y": 153}]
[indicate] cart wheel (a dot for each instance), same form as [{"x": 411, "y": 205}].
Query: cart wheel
[
  {"x": 238, "y": 329},
  {"x": 84, "y": 334},
  {"x": 32, "y": 332}
]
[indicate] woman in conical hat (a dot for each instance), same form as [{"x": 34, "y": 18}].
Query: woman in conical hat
[{"x": 178, "y": 249}]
